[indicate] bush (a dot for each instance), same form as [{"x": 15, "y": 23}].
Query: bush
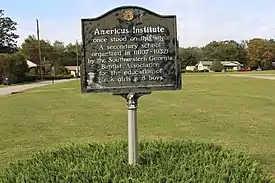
[
  {"x": 217, "y": 66},
  {"x": 56, "y": 77},
  {"x": 195, "y": 71},
  {"x": 29, "y": 78},
  {"x": 13, "y": 66},
  {"x": 174, "y": 161}
]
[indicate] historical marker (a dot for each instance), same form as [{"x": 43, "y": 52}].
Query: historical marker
[{"x": 130, "y": 51}]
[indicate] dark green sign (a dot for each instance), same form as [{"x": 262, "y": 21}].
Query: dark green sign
[{"x": 130, "y": 49}]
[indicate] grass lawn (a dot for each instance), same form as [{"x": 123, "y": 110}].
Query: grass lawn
[
  {"x": 237, "y": 113},
  {"x": 268, "y": 72}
]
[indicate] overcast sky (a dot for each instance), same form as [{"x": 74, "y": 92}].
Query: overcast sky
[{"x": 199, "y": 21}]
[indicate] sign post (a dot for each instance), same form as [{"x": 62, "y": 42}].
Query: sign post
[
  {"x": 132, "y": 106},
  {"x": 130, "y": 51}
]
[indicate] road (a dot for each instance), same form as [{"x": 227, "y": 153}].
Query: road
[
  {"x": 20, "y": 88},
  {"x": 271, "y": 77}
]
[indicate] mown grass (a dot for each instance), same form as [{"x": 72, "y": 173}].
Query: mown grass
[
  {"x": 167, "y": 162},
  {"x": 237, "y": 113},
  {"x": 264, "y": 72}
]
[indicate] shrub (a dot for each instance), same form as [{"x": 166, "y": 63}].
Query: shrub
[
  {"x": 172, "y": 161},
  {"x": 63, "y": 71},
  {"x": 229, "y": 70},
  {"x": 13, "y": 66},
  {"x": 197, "y": 71},
  {"x": 217, "y": 66},
  {"x": 190, "y": 71},
  {"x": 29, "y": 78},
  {"x": 56, "y": 77}
]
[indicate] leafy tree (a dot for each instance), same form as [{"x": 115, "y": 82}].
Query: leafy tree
[
  {"x": 8, "y": 43},
  {"x": 217, "y": 66},
  {"x": 228, "y": 50},
  {"x": 70, "y": 54},
  {"x": 267, "y": 60},
  {"x": 20, "y": 66},
  {"x": 190, "y": 56},
  {"x": 14, "y": 65},
  {"x": 261, "y": 53},
  {"x": 58, "y": 54},
  {"x": 210, "y": 51},
  {"x": 30, "y": 49}
]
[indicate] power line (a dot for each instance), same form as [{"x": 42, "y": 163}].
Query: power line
[{"x": 25, "y": 28}]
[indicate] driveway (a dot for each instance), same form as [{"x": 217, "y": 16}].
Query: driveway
[{"x": 20, "y": 88}]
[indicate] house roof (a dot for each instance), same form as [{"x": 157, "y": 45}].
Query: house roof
[
  {"x": 31, "y": 64},
  {"x": 206, "y": 63},
  {"x": 71, "y": 68},
  {"x": 225, "y": 63}
]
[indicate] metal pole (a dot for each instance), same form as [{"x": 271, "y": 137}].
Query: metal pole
[
  {"x": 77, "y": 71},
  {"x": 39, "y": 48},
  {"x": 132, "y": 105}
]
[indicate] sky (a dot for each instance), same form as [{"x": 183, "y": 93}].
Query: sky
[{"x": 198, "y": 21}]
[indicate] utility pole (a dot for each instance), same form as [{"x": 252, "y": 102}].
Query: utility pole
[
  {"x": 39, "y": 48},
  {"x": 76, "y": 47}
]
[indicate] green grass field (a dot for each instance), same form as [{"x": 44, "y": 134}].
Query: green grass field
[
  {"x": 237, "y": 113},
  {"x": 265, "y": 72}
]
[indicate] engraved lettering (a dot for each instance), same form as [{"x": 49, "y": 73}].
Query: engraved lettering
[{"x": 125, "y": 53}]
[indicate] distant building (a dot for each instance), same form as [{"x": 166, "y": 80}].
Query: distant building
[
  {"x": 190, "y": 68},
  {"x": 73, "y": 70},
  {"x": 228, "y": 65}
]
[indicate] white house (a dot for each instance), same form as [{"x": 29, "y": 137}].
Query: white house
[
  {"x": 74, "y": 70},
  {"x": 228, "y": 65},
  {"x": 190, "y": 68}
]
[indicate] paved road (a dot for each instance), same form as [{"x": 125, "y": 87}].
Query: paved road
[{"x": 20, "y": 88}]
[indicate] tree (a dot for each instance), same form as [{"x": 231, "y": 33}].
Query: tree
[
  {"x": 30, "y": 49},
  {"x": 260, "y": 53},
  {"x": 58, "y": 54},
  {"x": 8, "y": 43},
  {"x": 267, "y": 60},
  {"x": 190, "y": 56},
  {"x": 210, "y": 51},
  {"x": 13, "y": 65},
  {"x": 70, "y": 54},
  {"x": 228, "y": 50},
  {"x": 217, "y": 66}
]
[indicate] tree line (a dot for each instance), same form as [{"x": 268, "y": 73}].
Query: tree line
[
  {"x": 13, "y": 58},
  {"x": 253, "y": 53}
]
